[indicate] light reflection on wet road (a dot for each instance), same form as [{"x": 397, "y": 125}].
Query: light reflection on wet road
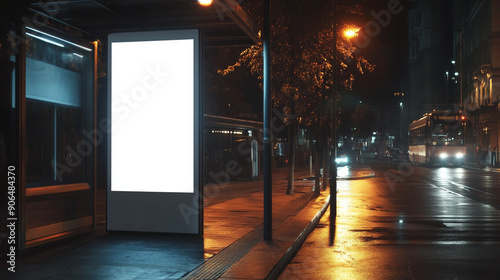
[{"x": 409, "y": 222}]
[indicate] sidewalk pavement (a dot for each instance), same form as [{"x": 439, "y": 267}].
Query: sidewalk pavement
[
  {"x": 477, "y": 166},
  {"x": 347, "y": 173},
  {"x": 294, "y": 219},
  {"x": 491, "y": 169},
  {"x": 232, "y": 246}
]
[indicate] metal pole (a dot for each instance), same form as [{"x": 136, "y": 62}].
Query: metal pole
[
  {"x": 461, "y": 70},
  {"x": 333, "y": 164},
  {"x": 267, "y": 152}
]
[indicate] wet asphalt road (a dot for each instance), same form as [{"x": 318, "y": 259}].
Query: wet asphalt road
[{"x": 408, "y": 222}]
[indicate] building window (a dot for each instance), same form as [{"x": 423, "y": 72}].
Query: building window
[
  {"x": 418, "y": 19},
  {"x": 59, "y": 98},
  {"x": 415, "y": 47}
]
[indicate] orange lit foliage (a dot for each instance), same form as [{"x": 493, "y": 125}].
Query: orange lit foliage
[
  {"x": 302, "y": 60},
  {"x": 302, "y": 64}
]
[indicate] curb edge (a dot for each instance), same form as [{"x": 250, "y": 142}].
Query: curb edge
[{"x": 287, "y": 257}]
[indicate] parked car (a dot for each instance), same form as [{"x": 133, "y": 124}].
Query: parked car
[{"x": 397, "y": 154}]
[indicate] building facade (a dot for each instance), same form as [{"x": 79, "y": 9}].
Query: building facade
[
  {"x": 429, "y": 57},
  {"x": 454, "y": 64},
  {"x": 476, "y": 48}
]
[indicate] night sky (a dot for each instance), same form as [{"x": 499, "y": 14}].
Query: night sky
[{"x": 388, "y": 51}]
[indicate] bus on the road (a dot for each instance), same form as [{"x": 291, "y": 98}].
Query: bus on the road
[{"x": 438, "y": 138}]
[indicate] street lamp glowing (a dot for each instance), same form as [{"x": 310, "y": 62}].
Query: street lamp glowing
[
  {"x": 349, "y": 33},
  {"x": 205, "y": 2}
]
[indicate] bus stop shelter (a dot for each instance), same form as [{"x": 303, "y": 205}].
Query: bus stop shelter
[{"x": 57, "y": 101}]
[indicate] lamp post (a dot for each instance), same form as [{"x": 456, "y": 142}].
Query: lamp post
[
  {"x": 333, "y": 152},
  {"x": 267, "y": 152},
  {"x": 349, "y": 33}
]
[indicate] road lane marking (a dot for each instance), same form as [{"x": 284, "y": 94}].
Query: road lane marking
[
  {"x": 469, "y": 188},
  {"x": 461, "y": 195},
  {"x": 447, "y": 190}
]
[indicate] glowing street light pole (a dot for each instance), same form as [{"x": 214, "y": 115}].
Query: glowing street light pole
[
  {"x": 349, "y": 33},
  {"x": 333, "y": 153}
]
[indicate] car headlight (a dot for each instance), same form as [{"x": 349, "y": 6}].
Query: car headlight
[
  {"x": 459, "y": 155},
  {"x": 341, "y": 160},
  {"x": 443, "y": 155}
]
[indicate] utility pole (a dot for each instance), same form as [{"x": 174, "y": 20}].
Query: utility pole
[
  {"x": 333, "y": 153},
  {"x": 461, "y": 69}
]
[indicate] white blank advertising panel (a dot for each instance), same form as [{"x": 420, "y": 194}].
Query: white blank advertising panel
[{"x": 155, "y": 131}]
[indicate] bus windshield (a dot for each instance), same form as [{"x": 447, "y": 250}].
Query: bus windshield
[{"x": 446, "y": 133}]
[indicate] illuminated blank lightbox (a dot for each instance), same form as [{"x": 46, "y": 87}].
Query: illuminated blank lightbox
[
  {"x": 153, "y": 100},
  {"x": 154, "y": 146}
]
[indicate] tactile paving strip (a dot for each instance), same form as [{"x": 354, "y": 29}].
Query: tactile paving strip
[{"x": 216, "y": 266}]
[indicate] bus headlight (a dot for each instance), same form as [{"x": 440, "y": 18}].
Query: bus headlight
[
  {"x": 443, "y": 155},
  {"x": 459, "y": 155}
]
